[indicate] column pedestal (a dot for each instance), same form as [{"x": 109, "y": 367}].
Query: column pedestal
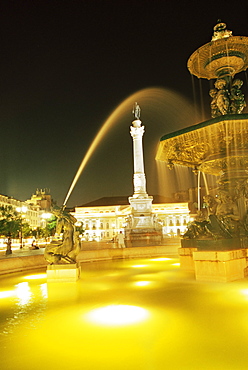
[{"x": 63, "y": 273}]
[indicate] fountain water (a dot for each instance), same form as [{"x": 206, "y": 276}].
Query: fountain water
[{"x": 116, "y": 317}]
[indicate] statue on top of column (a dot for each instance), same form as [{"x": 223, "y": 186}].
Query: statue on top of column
[{"x": 136, "y": 111}]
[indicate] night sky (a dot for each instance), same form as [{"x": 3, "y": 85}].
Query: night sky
[{"x": 67, "y": 65}]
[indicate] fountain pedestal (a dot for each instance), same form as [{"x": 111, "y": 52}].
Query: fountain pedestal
[
  {"x": 63, "y": 273},
  {"x": 218, "y": 266},
  {"x": 186, "y": 258}
]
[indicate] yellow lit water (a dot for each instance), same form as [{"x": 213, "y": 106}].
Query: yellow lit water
[{"x": 126, "y": 314}]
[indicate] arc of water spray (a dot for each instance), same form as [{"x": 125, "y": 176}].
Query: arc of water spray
[
  {"x": 91, "y": 149},
  {"x": 155, "y": 96},
  {"x": 106, "y": 126}
]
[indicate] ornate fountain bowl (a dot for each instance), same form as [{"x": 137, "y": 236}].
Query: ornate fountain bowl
[
  {"x": 216, "y": 147},
  {"x": 222, "y": 57}
]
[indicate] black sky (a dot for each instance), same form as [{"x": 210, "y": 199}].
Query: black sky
[{"x": 67, "y": 65}]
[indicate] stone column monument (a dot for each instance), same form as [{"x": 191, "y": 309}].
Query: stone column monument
[{"x": 141, "y": 224}]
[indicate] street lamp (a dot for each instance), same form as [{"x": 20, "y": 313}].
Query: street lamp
[{"x": 22, "y": 210}]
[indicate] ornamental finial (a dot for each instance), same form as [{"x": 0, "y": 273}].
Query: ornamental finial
[{"x": 220, "y": 31}]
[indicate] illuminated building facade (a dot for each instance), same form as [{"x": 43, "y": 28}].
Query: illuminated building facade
[
  {"x": 104, "y": 218},
  {"x": 41, "y": 198},
  {"x": 31, "y": 213},
  {"x": 33, "y": 209}
]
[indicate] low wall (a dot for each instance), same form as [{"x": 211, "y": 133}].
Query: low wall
[
  {"x": 134, "y": 252},
  {"x": 19, "y": 263}
]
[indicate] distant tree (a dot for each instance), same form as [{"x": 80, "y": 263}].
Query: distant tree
[
  {"x": 10, "y": 224},
  {"x": 51, "y": 225},
  {"x": 26, "y": 229}
]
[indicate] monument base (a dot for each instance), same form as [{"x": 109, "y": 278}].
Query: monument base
[
  {"x": 63, "y": 273},
  {"x": 143, "y": 237}
]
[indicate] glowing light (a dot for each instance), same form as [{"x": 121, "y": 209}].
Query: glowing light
[
  {"x": 22, "y": 209},
  {"x": 142, "y": 283},
  {"x": 244, "y": 292},
  {"x": 138, "y": 266},
  {"x": 43, "y": 288},
  {"x": 7, "y": 293},
  {"x": 23, "y": 293},
  {"x": 175, "y": 264},
  {"x": 46, "y": 215},
  {"x": 118, "y": 315}
]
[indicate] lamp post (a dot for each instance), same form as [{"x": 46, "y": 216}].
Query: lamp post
[{"x": 22, "y": 210}]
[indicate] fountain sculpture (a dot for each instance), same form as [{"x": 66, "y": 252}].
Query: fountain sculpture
[
  {"x": 61, "y": 253},
  {"x": 215, "y": 244}
]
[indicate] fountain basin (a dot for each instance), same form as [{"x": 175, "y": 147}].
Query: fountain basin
[{"x": 123, "y": 314}]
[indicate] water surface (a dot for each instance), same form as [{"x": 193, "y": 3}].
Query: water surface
[{"x": 125, "y": 314}]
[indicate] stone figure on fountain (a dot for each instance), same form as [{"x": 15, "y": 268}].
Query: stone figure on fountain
[
  {"x": 215, "y": 112},
  {"x": 220, "y": 104},
  {"x": 227, "y": 101},
  {"x": 221, "y": 221},
  {"x": 237, "y": 97},
  {"x": 197, "y": 229},
  {"x": 63, "y": 250}
]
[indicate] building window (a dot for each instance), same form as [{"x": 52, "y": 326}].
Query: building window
[{"x": 107, "y": 225}]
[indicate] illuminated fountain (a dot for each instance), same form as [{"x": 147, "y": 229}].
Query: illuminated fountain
[{"x": 217, "y": 147}]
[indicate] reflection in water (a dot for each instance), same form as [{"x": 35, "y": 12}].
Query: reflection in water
[
  {"x": 142, "y": 283},
  {"x": 23, "y": 293},
  {"x": 7, "y": 293},
  {"x": 118, "y": 315},
  {"x": 22, "y": 308},
  {"x": 91, "y": 324}
]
